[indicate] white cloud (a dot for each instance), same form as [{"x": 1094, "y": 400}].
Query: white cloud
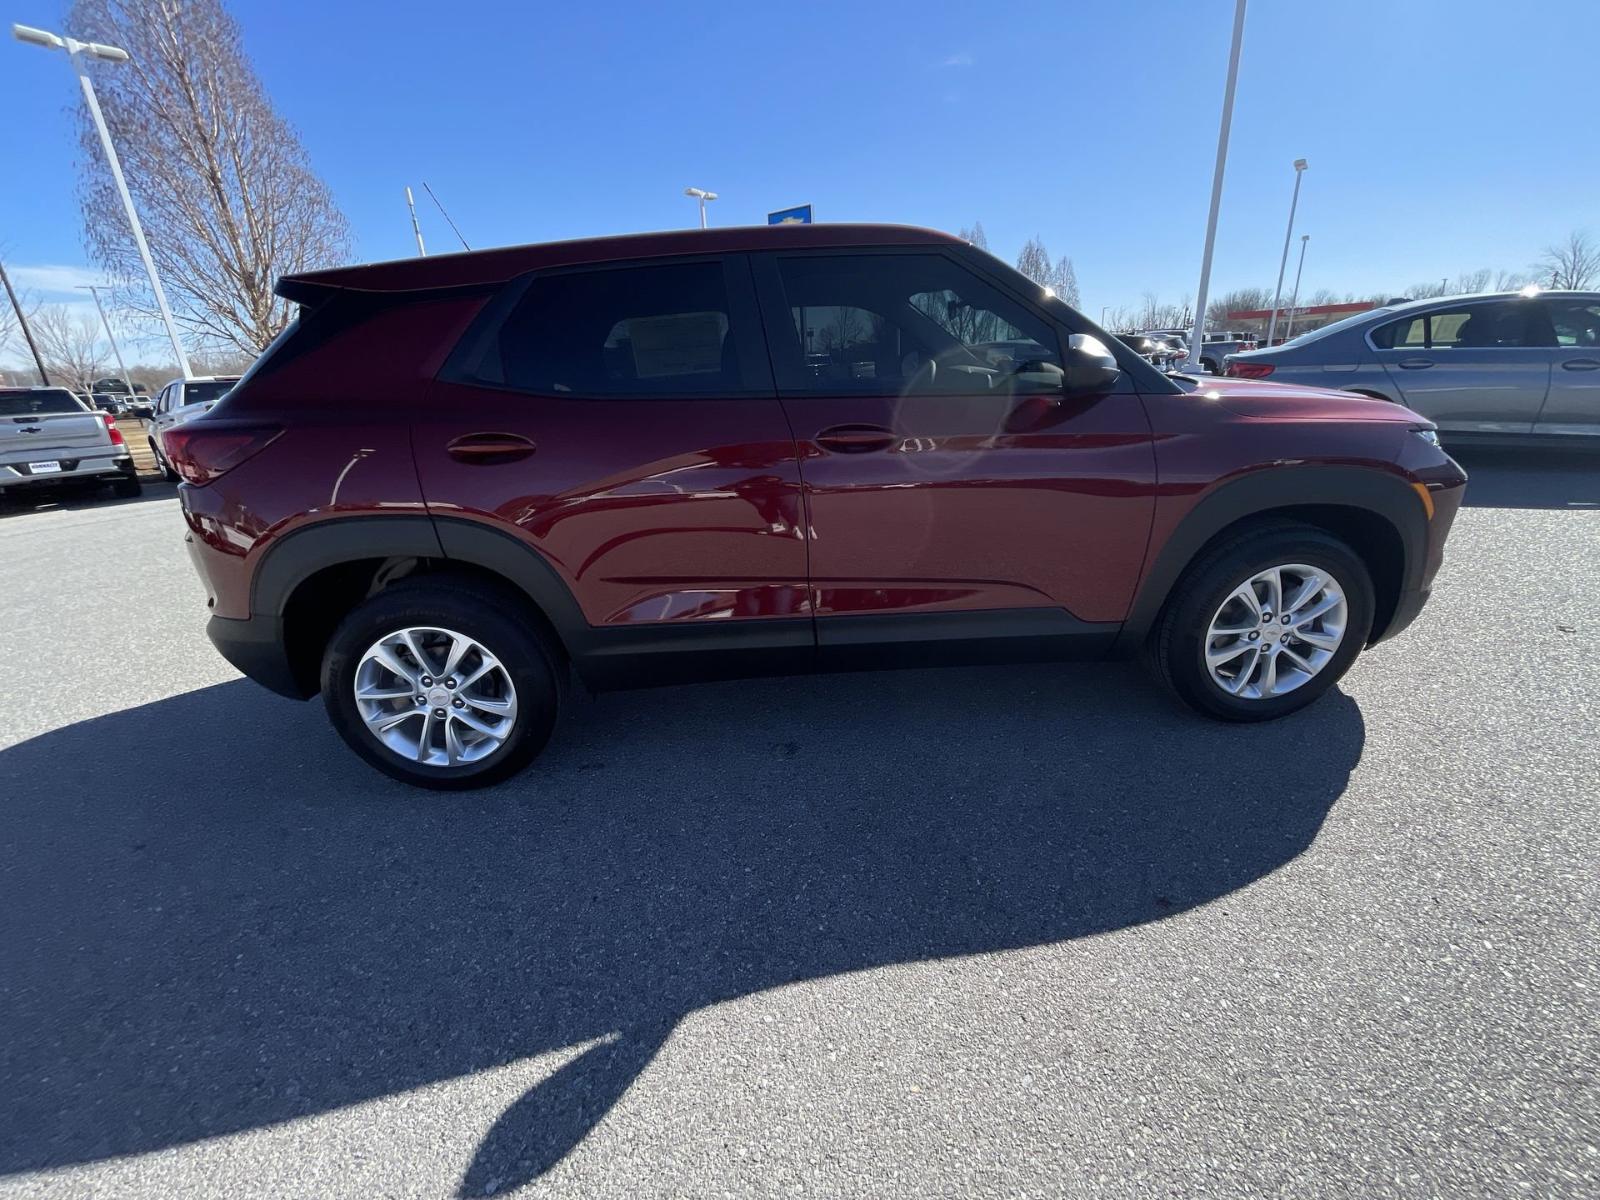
[
  {"x": 54, "y": 281},
  {"x": 962, "y": 59}
]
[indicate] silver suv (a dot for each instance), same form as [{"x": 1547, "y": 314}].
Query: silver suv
[{"x": 1489, "y": 366}]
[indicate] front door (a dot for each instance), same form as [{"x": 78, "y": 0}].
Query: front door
[
  {"x": 621, "y": 423},
  {"x": 1474, "y": 367},
  {"x": 1573, "y": 405},
  {"x": 947, "y": 477}
]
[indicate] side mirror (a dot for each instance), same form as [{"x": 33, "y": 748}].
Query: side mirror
[
  {"x": 1041, "y": 375},
  {"x": 1090, "y": 366}
]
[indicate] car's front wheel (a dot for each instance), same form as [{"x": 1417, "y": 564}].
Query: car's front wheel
[
  {"x": 167, "y": 472},
  {"x": 439, "y": 683},
  {"x": 1265, "y": 623}
]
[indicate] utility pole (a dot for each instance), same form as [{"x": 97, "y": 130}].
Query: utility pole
[
  {"x": 22, "y": 320},
  {"x": 127, "y": 380},
  {"x": 1288, "y": 235},
  {"x": 1294, "y": 300}
]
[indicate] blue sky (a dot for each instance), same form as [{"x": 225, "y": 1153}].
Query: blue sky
[{"x": 1442, "y": 135}]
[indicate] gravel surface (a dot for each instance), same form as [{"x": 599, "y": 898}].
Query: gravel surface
[{"x": 959, "y": 933}]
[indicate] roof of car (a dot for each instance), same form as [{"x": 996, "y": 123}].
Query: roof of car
[
  {"x": 482, "y": 267},
  {"x": 1435, "y": 301}
]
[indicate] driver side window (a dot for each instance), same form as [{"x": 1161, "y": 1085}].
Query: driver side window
[{"x": 897, "y": 324}]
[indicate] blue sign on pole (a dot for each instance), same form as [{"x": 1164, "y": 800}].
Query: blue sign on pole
[{"x": 791, "y": 216}]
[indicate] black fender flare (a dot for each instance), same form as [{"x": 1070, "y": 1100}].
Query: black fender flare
[
  {"x": 1374, "y": 490},
  {"x": 299, "y": 555}
]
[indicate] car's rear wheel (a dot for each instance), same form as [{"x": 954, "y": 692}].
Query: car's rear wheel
[
  {"x": 439, "y": 683},
  {"x": 1265, "y": 623}
]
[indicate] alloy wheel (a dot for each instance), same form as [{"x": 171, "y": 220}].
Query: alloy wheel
[
  {"x": 1276, "y": 631},
  {"x": 435, "y": 696}
]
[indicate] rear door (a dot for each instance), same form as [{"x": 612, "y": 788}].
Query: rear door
[
  {"x": 1472, "y": 367},
  {"x": 946, "y": 473},
  {"x": 1573, "y": 404},
  {"x": 621, "y": 421}
]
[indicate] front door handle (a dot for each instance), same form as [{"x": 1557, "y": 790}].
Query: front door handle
[
  {"x": 1414, "y": 364},
  {"x": 1581, "y": 364},
  {"x": 856, "y": 439},
  {"x": 487, "y": 448}
]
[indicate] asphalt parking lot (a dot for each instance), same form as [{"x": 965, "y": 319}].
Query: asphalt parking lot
[{"x": 984, "y": 932}]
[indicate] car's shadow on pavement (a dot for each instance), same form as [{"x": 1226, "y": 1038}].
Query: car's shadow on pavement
[
  {"x": 216, "y": 918},
  {"x": 76, "y": 496},
  {"x": 1531, "y": 478}
]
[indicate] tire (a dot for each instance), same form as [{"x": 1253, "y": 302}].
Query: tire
[
  {"x": 167, "y": 472},
  {"x": 1210, "y": 366},
  {"x": 1211, "y": 594},
  {"x": 128, "y": 488},
  {"x": 525, "y": 667}
]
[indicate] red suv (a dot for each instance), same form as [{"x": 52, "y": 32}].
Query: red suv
[{"x": 453, "y": 482}]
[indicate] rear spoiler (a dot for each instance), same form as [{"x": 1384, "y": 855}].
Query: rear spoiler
[{"x": 436, "y": 273}]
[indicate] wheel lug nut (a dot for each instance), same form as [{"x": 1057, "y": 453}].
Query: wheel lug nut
[
  {"x": 438, "y": 712},
  {"x": 426, "y": 681},
  {"x": 1254, "y": 635},
  {"x": 422, "y": 699},
  {"x": 450, "y": 683},
  {"x": 458, "y": 702}
]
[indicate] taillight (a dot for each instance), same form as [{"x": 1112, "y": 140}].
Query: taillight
[
  {"x": 111, "y": 428},
  {"x": 1248, "y": 370},
  {"x": 201, "y": 451}
]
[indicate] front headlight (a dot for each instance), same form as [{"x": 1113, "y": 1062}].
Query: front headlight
[{"x": 1431, "y": 436}]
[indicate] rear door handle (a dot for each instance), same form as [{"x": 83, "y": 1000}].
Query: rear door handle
[
  {"x": 856, "y": 439},
  {"x": 1581, "y": 364},
  {"x": 1414, "y": 364},
  {"x": 487, "y": 448}
]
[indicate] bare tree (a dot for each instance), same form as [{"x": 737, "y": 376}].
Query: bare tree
[
  {"x": 975, "y": 235},
  {"x": 1063, "y": 281},
  {"x": 843, "y": 331},
  {"x": 1573, "y": 265},
  {"x": 1247, "y": 299},
  {"x": 225, "y": 190},
  {"x": 1034, "y": 261},
  {"x": 70, "y": 342}
]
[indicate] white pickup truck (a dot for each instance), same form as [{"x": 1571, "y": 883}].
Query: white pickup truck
[{"x": 48, "y": 436}]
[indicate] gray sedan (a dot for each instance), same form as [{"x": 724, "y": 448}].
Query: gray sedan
[{"x": 1481, "y": 366}]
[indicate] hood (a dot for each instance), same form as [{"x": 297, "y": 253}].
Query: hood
[{"x": 1287, "y": 402}]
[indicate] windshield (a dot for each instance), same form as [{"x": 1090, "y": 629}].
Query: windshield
[
  {"x": 200, "y": 393},
  {"x": 53, "y": 402},
  {"x": 1312, "y": 335}
]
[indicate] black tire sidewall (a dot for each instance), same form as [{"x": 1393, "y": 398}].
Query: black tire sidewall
[
  {"x": 1182, "y": 635},
  {"x": 488, "y": 620}
]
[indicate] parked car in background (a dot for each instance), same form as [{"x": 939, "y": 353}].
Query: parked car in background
[
  {"x": 1176, "y": 338},
  {"x": 454, "y": 482},
  {"x": 180, "y": 401},
  {"x": 1216, "y": 347},
  {"x": 106, "y": 403},
  {"x": 1504, "y": 365},
  {"x": 48, "y": 436},
  {"x": 1153, "y": 350}
]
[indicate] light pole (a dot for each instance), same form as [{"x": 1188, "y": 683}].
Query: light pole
[
  {"x": 1193, "y": 363},
  {"x": 1288, "y": 325},
  {"x": 73, "y": 48},
  {"x": 127, "y": 382},
  {"x": 1288, "y": 236},
  {"x": 701, "y": 195}
]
